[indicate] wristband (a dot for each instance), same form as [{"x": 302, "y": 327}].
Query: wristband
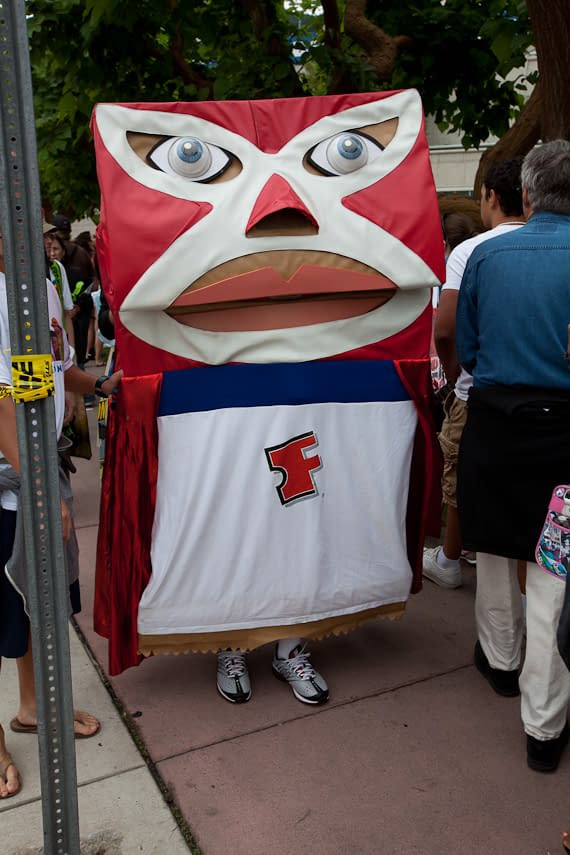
[{"x": 99, "y": 384}]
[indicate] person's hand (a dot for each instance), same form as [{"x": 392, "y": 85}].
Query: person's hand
[
  {"x": 111, "y": 385},
  {"x": 65, "y": 520}
]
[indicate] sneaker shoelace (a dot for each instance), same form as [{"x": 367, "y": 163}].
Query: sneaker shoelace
[
  {"x": 301, "y": 666},
  {"x": 233, "y": 663}
]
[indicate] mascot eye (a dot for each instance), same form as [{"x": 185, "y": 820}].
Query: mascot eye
[
  {"x": 344, "y": 153},
  {"x": 190, "y": 158}
]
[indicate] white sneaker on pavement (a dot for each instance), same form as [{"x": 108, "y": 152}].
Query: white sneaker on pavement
[
  {"x": 308, "y": 685},
  {"x": 445, "y": 577},
  {"x": 232, "y": 678}
]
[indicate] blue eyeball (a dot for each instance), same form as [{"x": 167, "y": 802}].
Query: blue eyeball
[
  {"x": 190, "y": 151},
  {"x": 189, "y": 157},
  {"x": 344, "y": 153},
  {"x": 349, "y": 147}
]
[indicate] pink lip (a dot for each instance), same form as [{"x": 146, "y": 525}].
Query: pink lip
[{"x": 267, "y": 284}]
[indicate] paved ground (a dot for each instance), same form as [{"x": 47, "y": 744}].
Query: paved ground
[{"x": 413, "y": 753}]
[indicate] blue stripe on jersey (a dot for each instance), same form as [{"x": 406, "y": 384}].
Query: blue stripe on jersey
[{"x": 216, "y": 387}]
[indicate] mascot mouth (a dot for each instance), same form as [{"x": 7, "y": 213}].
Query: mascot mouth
[{"x": 280, "y": 290}]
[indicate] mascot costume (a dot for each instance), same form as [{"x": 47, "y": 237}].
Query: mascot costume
[{"x": 270, "y": 452}]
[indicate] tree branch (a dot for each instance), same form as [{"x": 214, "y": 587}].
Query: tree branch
[
  {"x": 185, "y": 70},
  {"x": 381, "y": 49}
]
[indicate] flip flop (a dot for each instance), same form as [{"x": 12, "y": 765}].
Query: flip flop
[
  {"x": 4, "y": 766},
  {"x": 19, "y": 727}
]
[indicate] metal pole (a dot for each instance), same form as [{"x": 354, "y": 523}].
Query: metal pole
[{"x": 39, "y": 502}]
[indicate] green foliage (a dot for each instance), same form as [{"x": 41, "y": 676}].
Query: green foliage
[
  {"x": 461, "y": 54},
  {"x": 88, "y": 51}
]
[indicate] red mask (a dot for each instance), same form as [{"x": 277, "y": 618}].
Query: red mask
[{"x": 264, "y": 231}]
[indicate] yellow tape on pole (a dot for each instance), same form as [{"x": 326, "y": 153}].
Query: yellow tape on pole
[{"x": 32, "y": 378}]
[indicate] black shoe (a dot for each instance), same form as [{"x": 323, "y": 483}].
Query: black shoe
[
  {"x": 504, "y": 683},
  {"x": 544, "y": 755}
]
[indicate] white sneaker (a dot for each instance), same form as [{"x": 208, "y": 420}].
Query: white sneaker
[
  {"x": 308, "y": 685},
  {"x": 232, "y": 678},
  {"x": 445, "y": 577}
]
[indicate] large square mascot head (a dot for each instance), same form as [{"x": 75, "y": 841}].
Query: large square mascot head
[{"x": 266, "y": 231}]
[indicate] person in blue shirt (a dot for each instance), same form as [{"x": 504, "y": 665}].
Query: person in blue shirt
[{"x": 512, "y": 336}]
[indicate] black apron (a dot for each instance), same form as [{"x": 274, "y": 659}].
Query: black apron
[{"x": 514, "y": 450}]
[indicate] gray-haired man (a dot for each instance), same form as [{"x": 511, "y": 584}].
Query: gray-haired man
[{"x": 512, "y": 332}]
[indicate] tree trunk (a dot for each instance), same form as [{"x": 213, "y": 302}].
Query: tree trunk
[
  {"x": 546, "y": 114},
  {"x": 550, "y": 20}
]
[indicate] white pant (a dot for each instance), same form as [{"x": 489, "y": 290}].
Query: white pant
[{"x": 544, "y": 680}]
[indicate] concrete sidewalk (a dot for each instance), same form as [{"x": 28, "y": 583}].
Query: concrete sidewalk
[{"x": 413, "y": 753}]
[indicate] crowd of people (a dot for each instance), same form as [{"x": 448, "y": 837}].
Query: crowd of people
[
  {"x": 72, "y": 267},
  {"x": 502, "y": 330}
]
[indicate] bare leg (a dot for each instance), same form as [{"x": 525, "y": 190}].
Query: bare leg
[
  {"x": 91, "y": 334},
  {"x": 27, "y": 707},
  {"x": 84, "y": 724},
  {"x": 98, "y": 350},
  {"x": 452, "y": 542},
  {"x": 9, "y": 777}
]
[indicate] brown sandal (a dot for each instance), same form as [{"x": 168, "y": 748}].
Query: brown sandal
[
  {"x": 4, "y": 766},
  {"x": 19, "y": 727}
]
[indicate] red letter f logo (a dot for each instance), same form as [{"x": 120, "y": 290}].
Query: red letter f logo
[{"x": 289, "y": 459}]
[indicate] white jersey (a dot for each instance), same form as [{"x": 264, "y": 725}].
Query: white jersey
[{"x": 324, "y": 478}]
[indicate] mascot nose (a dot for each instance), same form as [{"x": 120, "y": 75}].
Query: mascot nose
[{"x": 278, "y": 210}]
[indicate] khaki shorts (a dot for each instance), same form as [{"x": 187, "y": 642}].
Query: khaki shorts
[{"x": 449, "y": 438}]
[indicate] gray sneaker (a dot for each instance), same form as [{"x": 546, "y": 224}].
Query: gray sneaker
[
  {"x": 445, "y": 577},
  {"x": 232, "y": 678},
  {"x": 307, "y": 684}
]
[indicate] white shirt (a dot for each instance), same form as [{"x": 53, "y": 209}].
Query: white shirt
[
  {"x": 62, "y": 359},
  {"x": 456, "y": 264}
]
